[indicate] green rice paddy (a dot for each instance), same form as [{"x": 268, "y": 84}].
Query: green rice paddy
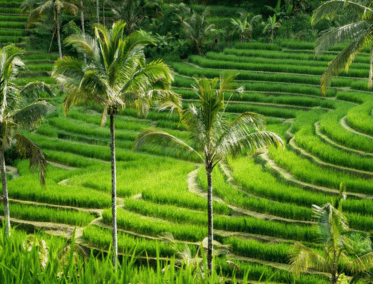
[{"x": 259, "y": 211}]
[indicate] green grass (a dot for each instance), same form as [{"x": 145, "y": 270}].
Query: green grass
[
  {"x": 134, "y": 222},
  {"x": 286, "y": 68},
  {"x": 27, "y": 187},
  {"x": 308, "y": 141},
  {"x": 46, "y": 214},
  {"x": 235, "y": 197},
  {"x": 143, "y": 247}
]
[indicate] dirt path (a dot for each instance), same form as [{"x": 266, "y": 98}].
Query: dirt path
[
  {"x": 345, "y": 125},
  {"x": 326, "y": 139},
  {"x": 304, "y": 153},
  {"x": 194, "y": 187},
  {"x": 308, "y": 186}
]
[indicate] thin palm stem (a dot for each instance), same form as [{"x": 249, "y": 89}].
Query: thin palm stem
[
  {"x": 113, "y": 190},
  {"x": 5, "y": 197},
  {"x": 210, "y": 220}
]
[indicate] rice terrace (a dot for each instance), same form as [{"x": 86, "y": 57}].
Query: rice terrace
[{"x": 153, "y": 141}]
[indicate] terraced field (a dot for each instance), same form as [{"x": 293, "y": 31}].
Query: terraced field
[{"x": 262, "y": 204}]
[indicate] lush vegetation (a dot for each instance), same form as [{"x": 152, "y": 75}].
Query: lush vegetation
[{"x": 262, "y": 204}]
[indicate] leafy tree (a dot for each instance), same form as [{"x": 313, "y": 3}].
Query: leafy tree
[
  {"x": 214, "y": 137},
  {"x": 197, "y": 29},
  {"x": 50, "y": 6},
  {"x": 342, "y": 250},
  {"x": 16, "y": 112},
  {"x": 134, "y": 12},
  {"x": 116, "y": 76},
  {"x": 270, "y": 26},
  {"x": 245, "y": 25},
  {"x": 358, "y": 33}
]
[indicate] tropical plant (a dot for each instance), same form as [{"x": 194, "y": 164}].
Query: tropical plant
[
  {"x": 343, "y": 250},
  {"x": 116, "y": 76},
  {"x": 245, "y": 25},
  {"x": 134, "y": 12},
  {"x": 213, "y": 136},
  {"x": 197, "y": 29},
  {"x": 270, "y": 26},
  {"x": 15, "y": 112},
  {"x": 50, "y": 6},
  {"x": 358, "y": 33}
]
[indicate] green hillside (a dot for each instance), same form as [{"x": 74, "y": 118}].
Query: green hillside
[{"x": 263, "y": 204}]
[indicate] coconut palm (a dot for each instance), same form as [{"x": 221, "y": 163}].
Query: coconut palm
[
  {"x": 343, "y": 250},
  {"x": 213, "y": 136},
  {"x": 245, "y": 25},
  {"x": 50, "y": 6},
  {"x": 358, "y": 33},
  {"x": 116, "y": 76},
  {"x": 15, "y": 112},
  {"x": 197, "y": 29}
]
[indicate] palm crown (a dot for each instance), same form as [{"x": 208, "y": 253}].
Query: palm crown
[
  {"x": 116, "y": 76},
  {"x": 359, "y": 33},
  {"x": 214, "y": 137}
]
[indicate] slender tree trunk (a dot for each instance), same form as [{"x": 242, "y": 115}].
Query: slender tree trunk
[
  {"x": 210, "y": 220},
  {"x": 58, "y": 34},
  {"x": 272, "y": 36},
  {"x": 370, "y": 70},
  {"x": 103, "y": 12},
  {"x": 113, "y": 190},
  {"x": 83, "y": 29},
  {"x": 50, "y": 45},
  {"x": 5, "y": 197},
  {"x": 334, "y": 279},
  {"x": 98, "y": 11}
]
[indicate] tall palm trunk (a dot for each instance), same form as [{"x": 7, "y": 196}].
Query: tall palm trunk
[
  {"x": 5, "y": 197},
  {"x": 210, "y": 237},
  {"x": 113, "y": 190},
  {"x": 58, "y": 34},
  {"x": 83, "y": 29},
  {"x": 98, "y": 11},
  {"x": 370, "y": 69},
  {"x": 103, "y": 12},
  {"x": 272, "y": 35}
]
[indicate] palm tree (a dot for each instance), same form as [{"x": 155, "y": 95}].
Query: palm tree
[
  {"x": 196, "y": 29},
  {"x": 213, "y": 136},
  {"x": 342, "y": 250},
  {"x": 50, "y": 6},
  {"x": 133, "y": 12},
  {"x": 245, "y": 25},
  {"x": 15, "y": 112},
  {"x": 358, "y": 33},
  {"x": 116, "y": 76}
]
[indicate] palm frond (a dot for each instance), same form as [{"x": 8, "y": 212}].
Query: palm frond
[
  {"x": 154, "y": 73},
  {"x": 237, "y": 140},
  {"x": 331, "y": 222},
  {"x": 33, "y": 89},
  {"x": 343, "y": 60},
  {"x": 304, "y": 258},
  {"x": 37, "y": 13},
  {"x": 162, "y": 138},
  {"x": 84, "y": 45},
  {"x": 31, "y": 114},
  {"x": 338, "y": 35},
  {"x": 71, "y": 8},
  {"x": 334, "y": 7},
  {"x": 68, "y": 66},
  {"x": 227, "y": 81},
  {"x": 30, "y": 150}
]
